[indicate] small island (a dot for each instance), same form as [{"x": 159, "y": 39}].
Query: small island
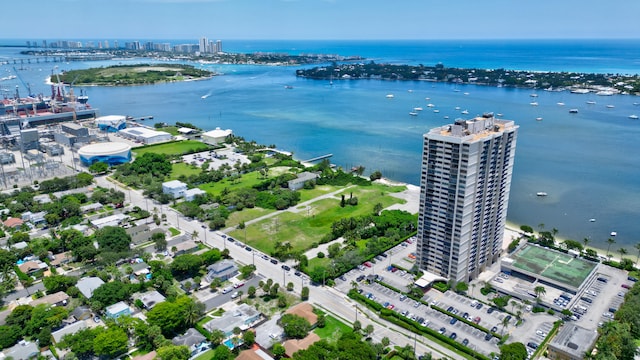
[
  {"x": 139, "y": 74},
  {"x": 553, "y": 81}
]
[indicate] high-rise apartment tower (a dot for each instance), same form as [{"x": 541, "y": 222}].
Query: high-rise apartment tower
[{"x": 464, "y": 194}]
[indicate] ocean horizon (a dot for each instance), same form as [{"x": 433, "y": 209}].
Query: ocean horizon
[{"x": 585, "y": 162}]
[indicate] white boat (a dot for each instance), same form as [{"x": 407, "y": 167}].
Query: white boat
[
  {"x": 417, "y": 109},
  {"x": 613, "y": 233},
  {"x": 538, "y": 119},
  {"x": 465, "y": 93},
  {"x": 560, "y": 104},
  {"x": 464, "y": 112},
  {"x": 534, "y": 103},
  {"x": 389, "y": 96},
  {"x": 636, "y": 103},
  {"x": 605, "y": 93},
  {"x": 592, "y": 220},
  {"x": 580, "y": 91},
  {"x": 533, "y": 95},
  {"x": 413, "y": 113},
  {"x": 430, "y": 105},
  {"x": 573, "y": 111},
  {"x": 634, "y": 117},
  {"x": 499, "y": 114},
  {"x": 446, "y": 117},
  {"x": 457, "y": 108},
  {"x": 436, "y": 111},
  {"x": 541, "y": 193},
  {"x": 610, "y": 106},
  {"x": 591, "y": 102},
  {"x": 427, "y": 98},
  {"x": 410, "y": 90}
]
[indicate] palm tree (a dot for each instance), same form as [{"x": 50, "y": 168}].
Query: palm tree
[
  {"x": 513, "y": 304},
  {"x": 622, "y": 252},
  {"x": 354, "y": 285},
  {"x": 193, "y": 311},
  {"x": 610, "y": 241},
  {"x": 505, "y": 324},
  {"x": 540, "y": 291},
  {"x": 585, "y": 241},
  {"x": 637, "y": 246}
]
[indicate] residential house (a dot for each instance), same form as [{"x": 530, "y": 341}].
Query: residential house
[
  {"x": 113, "y": 220},
  {"x": 82, "y": 313},
  {"x": 56, "y": 299},
  {"x": 57, "y": 260},
  {"x": 304, "y": 310},
  {"x": 87, "y": 285},
  {"x": 190, "y": 194},
  {"x": 175, "y": 188},
  {"x": 222, "y": 270},
  {"x": 34, "y": 218},
  {"x": 243, "y": 316},
  {"x": 150, "y": 298},
  {"x": 13, "y": 222},
  {"x": 42, "y": 199},
  {"x": 23, "y": 350},
  {"x": 298, "y": 183},
  {"x": 293, "y": 345},
  {"x": 255, "y": 353},
  {"x": 32, "y": 267},
  {"x": 184, "y": 247},
  {"x": 118, "y": 309},
  {"x": 68, "y": 330},
  {"x": 85, "y": 209},
  {"x": 193, "y": 340}
]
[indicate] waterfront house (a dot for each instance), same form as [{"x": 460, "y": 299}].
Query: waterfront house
[{"x": 303, "y": 177}]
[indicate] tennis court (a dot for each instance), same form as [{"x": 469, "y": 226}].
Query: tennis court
[{"x": 553, "y": 265}]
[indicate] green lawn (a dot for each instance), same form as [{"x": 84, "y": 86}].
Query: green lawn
[
  {"x": 237, "y": 217},
  {"x": 179, "y": 169},
  {"x": 333, "y": 329},
  {"x": 207, "y": 355},
  {"x": 173, "y": 148},
  {"x": 247, "y": 180},
  {"x": 305, "y": 227}
]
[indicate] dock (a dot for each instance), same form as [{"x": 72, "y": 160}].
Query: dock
[{"x": 322, "y": 157}]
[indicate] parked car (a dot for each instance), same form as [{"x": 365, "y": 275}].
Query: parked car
[{"x": 237, "y": 285}]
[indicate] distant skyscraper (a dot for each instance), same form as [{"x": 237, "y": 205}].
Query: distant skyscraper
[
  {"x": 464, "y": 194},
  {"x": 218, "y": 46},
  {"x": 203, "y": 45}
]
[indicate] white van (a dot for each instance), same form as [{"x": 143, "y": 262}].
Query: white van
[{"x": 227, "y": 290}]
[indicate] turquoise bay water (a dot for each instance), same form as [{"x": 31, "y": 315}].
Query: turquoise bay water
[{"x": 586, "y": 162}]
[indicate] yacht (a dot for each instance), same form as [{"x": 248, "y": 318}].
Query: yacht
[
  {"x": 610, "y": 106},
  {"x": 534, "y": 103},
  {"x": 538, "y": 119},
  {"x": 464, "y": 112},
  {"x": 417, "y": 109},
  {"x": 592, "y": 220},
  {"x": 533, "y": 95},
  {"x": 430, "y": 105},
  {"x": 560, "y": 104},
  {"x": 436, "y": 111},
  {"x": 634, "y": 117},
  {"x": 389, "y": 96},
  {"x": 413, "y": 113},
  {"x": 573, "y": 111},
  {"x": 541, "y": 193},
  {"x": 591, "y": 102}
]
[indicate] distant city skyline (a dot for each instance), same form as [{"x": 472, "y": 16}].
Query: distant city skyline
[{"x": 321, "y": 19}]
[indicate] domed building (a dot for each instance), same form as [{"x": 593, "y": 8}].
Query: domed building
[{"x": 111, "y": 153}]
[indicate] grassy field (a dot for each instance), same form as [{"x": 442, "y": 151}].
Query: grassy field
[
  {"x": 173, "y": 148},
  {"x": 304, "y": 227},
  {"x": 333, "y": 329},
  {"x": 247, "y": 180},
  {"x": 179, "y": 169}
]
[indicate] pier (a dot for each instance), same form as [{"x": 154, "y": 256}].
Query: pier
[{"x": 322, "y": 157}]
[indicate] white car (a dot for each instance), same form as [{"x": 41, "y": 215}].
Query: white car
[{"x": 235, "y": 295}]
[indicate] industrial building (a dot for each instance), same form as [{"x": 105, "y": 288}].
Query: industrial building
[
  {"x": 216, "y": 136},
  {"x": 111, "y": 153},
  {"x": 145, "y": 135},
  {"x": 464, "y": 193},
  {"x": 111, "y": 123}
]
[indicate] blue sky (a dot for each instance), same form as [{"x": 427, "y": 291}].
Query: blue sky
[{"x": 320, "y": 19}]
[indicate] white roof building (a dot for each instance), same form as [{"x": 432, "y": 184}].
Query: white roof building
[
  {"x": 112, "y": 220},
  {"x": 216, "y": 136},
  {"x": 87, "y": 285},
  {"x": 190, "y": 194},
  {"x": 145, "y": 135},
  {"x": 175, "y": 188}
]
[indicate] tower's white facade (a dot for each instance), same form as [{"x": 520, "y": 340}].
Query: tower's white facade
[{"x": 464, "y": 194}]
